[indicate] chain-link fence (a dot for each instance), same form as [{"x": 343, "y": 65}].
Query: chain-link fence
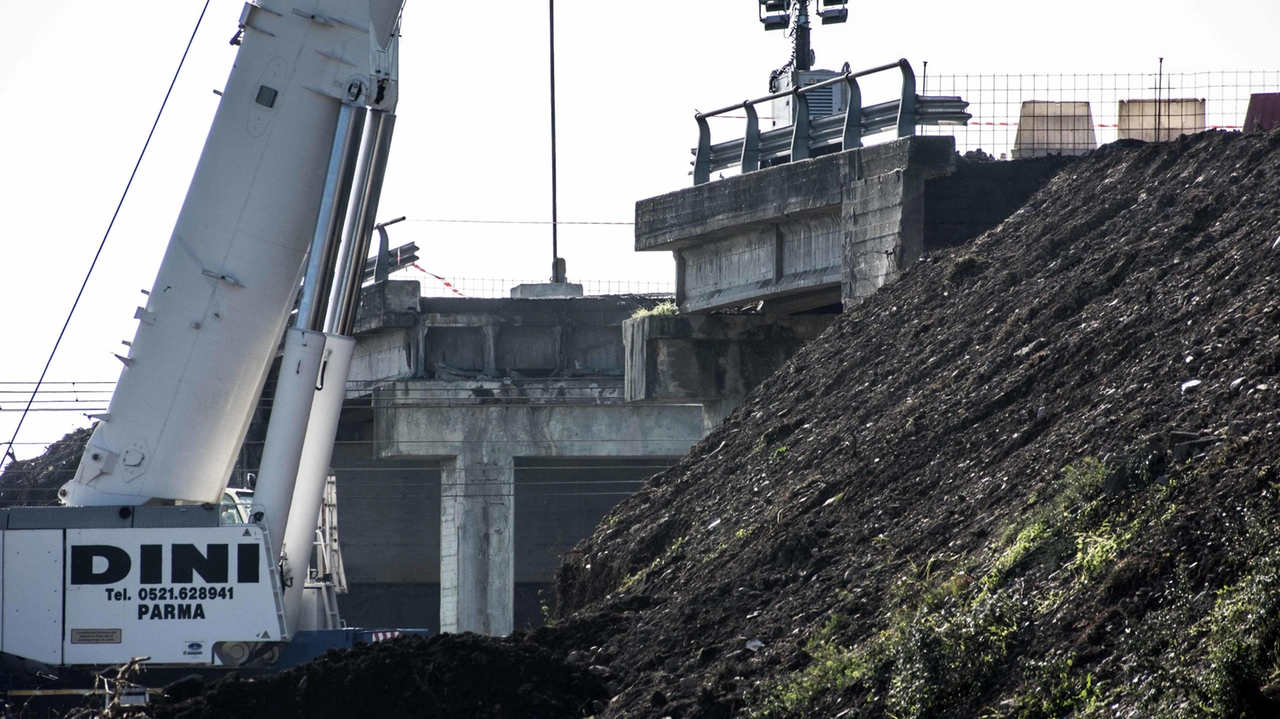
[{"x": 1029, "y": 115}]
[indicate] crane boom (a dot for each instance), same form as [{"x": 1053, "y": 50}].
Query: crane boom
[{"x": 214, "y": 318}]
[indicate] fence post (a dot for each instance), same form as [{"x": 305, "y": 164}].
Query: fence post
[
  {"x": 751, "y": 142},
  {"x": 800, "y": 128},
  {"x": 852, "y": 114},
  {"x": 702, "y": 161},
  {"x": 907, "y": 106}
]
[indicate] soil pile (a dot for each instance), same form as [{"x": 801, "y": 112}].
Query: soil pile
[
  {"x": 443, "y": 677},
  {"x": 1037, "y": 477},
  {"x": 36, "y": 481}
]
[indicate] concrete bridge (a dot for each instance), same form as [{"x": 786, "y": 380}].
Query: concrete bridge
[{"x": 485, "y": 437}]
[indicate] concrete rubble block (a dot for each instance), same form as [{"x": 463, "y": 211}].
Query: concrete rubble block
[
  {"x": 546, "y": 290},
  {"x": 1054, "y": 128},
  {"x": 386, "y": 354},
  {"x": 1162, "y": 120},
  {"x": 389, "y": 304}
]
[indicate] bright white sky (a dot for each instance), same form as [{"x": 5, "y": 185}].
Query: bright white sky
[{"x": 82, "y": 81}]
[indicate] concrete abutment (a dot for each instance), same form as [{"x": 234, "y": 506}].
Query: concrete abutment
[{"x": 827, "y": 232}]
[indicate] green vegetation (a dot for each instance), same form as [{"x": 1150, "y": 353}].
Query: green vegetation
[
  {"x": 665, "y": 307},
  {"x": 834, "y": 669},
  {"x": 1096, "y": 550},
  {"x": 1243, "y": 636},
  {"x": 965, "y": 267},
  {"x": 1027, "y": 541},
  {"x": 632, "y": 579},
  {"x": 1055, "y": 688},
  {"x": 960, "y": 635},
  {"x": 955, "y": 626},
  {"x": 1242, "y": 625},
  {"x": 939, "y": 653}
]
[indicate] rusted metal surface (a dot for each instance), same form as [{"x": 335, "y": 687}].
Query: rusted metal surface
[{"x": 1264, "y": 112}]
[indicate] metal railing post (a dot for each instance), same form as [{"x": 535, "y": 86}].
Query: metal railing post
[
  {"x": 852, "y": 114},
  {"x": 825, "y": 133},
  {"x": 800, "y": 128},
  {"x": 907, "y": 106},
  {"x": 702, "y": 161},
  {"x": 751, "y": 142}
]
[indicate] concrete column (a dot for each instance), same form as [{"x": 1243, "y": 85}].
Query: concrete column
[
  {"x": 490, "y": 350},
  {"x": 715, "y": 411},
  {"x": 477, "y": 555},
  {"x": 680, "y": 283}
]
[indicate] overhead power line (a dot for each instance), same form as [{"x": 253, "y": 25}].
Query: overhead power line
[{"x": 521, "y": 222}]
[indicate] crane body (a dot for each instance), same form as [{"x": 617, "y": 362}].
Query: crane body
[{"x": 143, "y": 560}]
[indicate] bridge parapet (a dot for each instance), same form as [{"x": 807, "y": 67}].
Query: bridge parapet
[{"x": 798, "y": 236}]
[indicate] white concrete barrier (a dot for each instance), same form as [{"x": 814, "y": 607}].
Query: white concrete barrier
[
  {"x": 1160, "y": 120},
  {"x": 1054, "y": 128}
]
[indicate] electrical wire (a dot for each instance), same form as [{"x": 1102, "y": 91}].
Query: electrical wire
[
  {"x": 8, "y": 453},
  {"x": 520, "y": 222}
]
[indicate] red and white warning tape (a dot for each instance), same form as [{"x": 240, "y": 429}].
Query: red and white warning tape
[
  {"x": 443, "y": 281},
  {"x": 1104, "y": 126}
]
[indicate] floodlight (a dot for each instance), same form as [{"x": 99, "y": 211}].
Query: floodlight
[
  {"x": 833, "y": 16},
  {"x": 776, "y": 22},
  {"x": 775, "y": 14}
]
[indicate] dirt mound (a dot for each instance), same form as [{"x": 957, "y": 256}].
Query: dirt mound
[
  {"x": 1037, "y": 477},
  {"x": 444, "y": 677},
  {"x": 36, "y": 481}
]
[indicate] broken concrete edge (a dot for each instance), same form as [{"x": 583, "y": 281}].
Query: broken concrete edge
[
  {"x": 547, "y": 290},
  {"x": 678, "y": 219},
  {"x": 812, "y": 289},
  {"x": 708, "y": 357},
  {"x": 386, "y": 305},
  {"x": 398, "y": 304}
]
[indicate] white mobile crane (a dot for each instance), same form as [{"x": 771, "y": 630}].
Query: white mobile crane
[{"x": 141, "y": 562}]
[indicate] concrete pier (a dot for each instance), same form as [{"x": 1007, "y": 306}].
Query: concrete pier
[
  {"x": 477, "y": 554},
  {"x": 486, "y": 437}
]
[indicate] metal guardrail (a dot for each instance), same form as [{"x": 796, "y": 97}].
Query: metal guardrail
[{"x": 810, "y": 136}]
